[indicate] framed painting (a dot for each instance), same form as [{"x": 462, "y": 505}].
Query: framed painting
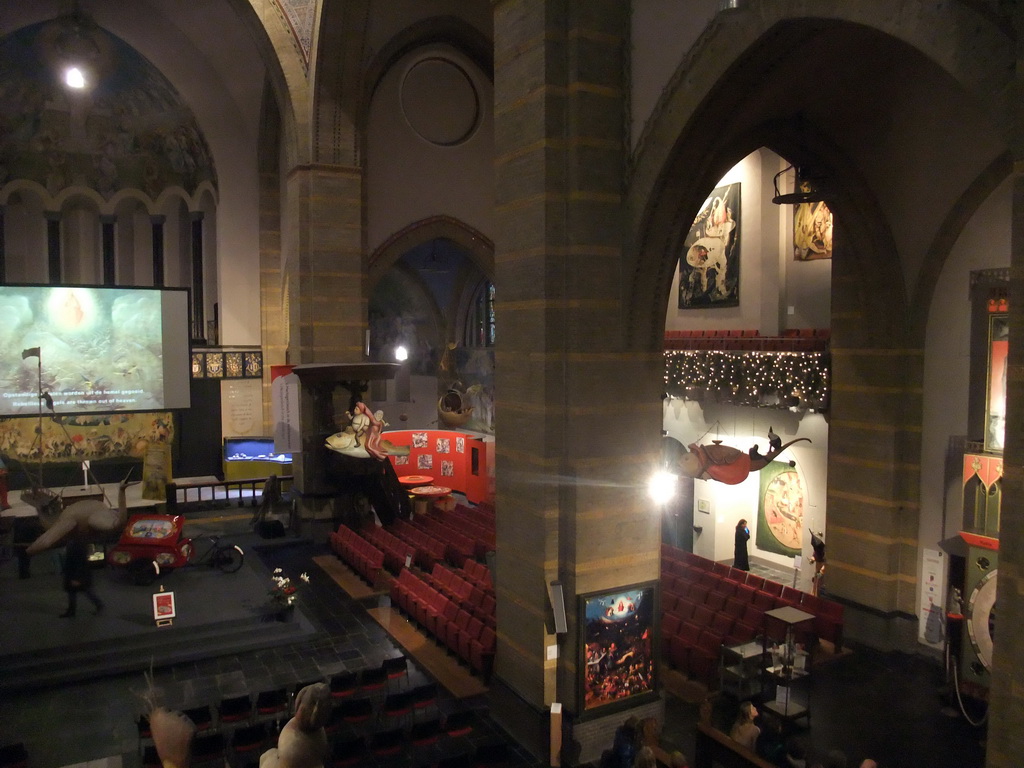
[
  {"x": 709, "y": 269},
  {"x": 812, "y": 231},
  {"x": 995, "y": 393},
  {"x": 780, "y": 518},
  {"x": 617, "y": 645}
]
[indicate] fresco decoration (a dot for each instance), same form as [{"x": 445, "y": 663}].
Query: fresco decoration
[
  {"x": 617, "y": 641},
  {"x": 709, "y": 269},
  {"x": 132, "y": 130},
  {"x": 812, "y": 231},
  {"x": 781, "y": 506},
  {"x": 77, "y": 438},
  {"x": 301, "y": 17}
]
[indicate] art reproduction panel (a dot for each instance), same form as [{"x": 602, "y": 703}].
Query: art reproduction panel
[
  {"x": 781, "y": 507},
  {"x": 709, "y": 269},
  {"x": 617, "y": 644}
]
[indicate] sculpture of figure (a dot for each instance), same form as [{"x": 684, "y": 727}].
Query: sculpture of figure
[
  {"x": 96, "y": 518},
  {"x": 361, "y": 439},
  {"x": 727, "y": 464}
]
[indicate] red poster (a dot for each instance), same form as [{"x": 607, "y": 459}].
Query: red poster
[{"x": 163, "y": 606}]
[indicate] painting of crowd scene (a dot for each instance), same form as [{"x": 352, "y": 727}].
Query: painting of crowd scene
[{"x": 618, "y": 642}]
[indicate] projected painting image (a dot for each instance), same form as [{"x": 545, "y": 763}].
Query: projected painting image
[
  {"x": 618, "y": 629},
  {"x": 98, "y": 349}
]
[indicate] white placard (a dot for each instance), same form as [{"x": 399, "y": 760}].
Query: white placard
[{"x": 931, "y": 609}]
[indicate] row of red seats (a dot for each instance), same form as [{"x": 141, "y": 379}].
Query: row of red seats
[
  {"x": 428, "y": 549},
  {"x": 464, "y": 634},
  {"x": 460, "y": 547},
  {"x": 479, "y": 527},
  {"x": 396, "y": 551},
  {"x": 680, "y": 566},
  {"x": 479, "y": 574},
  {"x": 355, "y": 551},
  {"x": 753, "y": 344},
  {"x": 474, "y": 599}
]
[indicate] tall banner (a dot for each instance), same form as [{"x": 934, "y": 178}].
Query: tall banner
[{"x": 284, "y": 394}]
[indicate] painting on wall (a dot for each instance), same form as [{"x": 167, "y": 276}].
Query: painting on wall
[
  {"x": 995, "y": 396},
  {"x": 617, "y": 634},
  {"x": 781, "y": 507},
  {"x": 709, "y": 269},
  {"x": 812, "y": 232}
]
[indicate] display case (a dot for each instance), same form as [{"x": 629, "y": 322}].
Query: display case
[{"x": 246, "y": 458}]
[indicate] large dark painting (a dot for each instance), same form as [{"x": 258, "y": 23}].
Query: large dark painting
[
  {"x": 617, "y": 646},
  {"x": 709, "y": 269}
]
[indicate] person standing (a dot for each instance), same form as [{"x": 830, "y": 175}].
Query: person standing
[
  {"x": 740, "y": 559},
  {"x": 78, "y": 573}
]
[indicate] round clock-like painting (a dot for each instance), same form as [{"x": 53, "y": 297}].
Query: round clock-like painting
[{"x": 784, "y": 500}]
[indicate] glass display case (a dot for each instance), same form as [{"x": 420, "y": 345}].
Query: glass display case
[{"x": 246, "y": 458}]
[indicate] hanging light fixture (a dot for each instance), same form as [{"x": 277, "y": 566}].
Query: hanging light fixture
[{"x": 805, "y": 188}]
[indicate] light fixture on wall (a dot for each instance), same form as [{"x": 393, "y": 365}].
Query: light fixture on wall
[{"x": 806, "y": 189}]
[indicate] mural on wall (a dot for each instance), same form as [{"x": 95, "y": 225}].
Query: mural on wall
[
  {"x": 812, "y": 231},
  {"x": 709, "y": 270},
  {"x": 131, "y": 129},
  {"x": 780, "y": 514},
  {"x": 78, "y": 438}
]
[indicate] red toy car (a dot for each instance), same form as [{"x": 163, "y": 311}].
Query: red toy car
[{"x": 153, "y": 543}]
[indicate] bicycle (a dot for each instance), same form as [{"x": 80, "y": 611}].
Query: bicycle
[{"x": 227, "y": 558}]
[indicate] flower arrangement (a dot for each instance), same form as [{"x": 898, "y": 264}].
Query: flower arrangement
[{"x": 283, "y": 589}]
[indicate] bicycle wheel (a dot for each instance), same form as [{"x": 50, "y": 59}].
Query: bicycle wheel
[{"x": 229, "y": 558}]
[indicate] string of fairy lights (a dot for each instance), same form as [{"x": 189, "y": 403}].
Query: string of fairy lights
[{"x": 796, "y": 380}]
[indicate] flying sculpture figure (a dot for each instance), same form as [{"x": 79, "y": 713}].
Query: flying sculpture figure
[
  {"x": 97, "y": 518},
  {"x": 731, "y": 465}
]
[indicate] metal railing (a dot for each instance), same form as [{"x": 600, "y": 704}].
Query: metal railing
[{"x": 182, "y": 496}]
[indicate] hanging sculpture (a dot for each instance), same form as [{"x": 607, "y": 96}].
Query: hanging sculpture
[{"x": 731, "y": 465}]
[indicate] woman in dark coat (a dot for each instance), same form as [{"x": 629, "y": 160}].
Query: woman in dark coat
[{"x": 740, "y": 558}]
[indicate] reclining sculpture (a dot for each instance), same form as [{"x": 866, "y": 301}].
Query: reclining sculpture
[{"x": 99, "y": 519}]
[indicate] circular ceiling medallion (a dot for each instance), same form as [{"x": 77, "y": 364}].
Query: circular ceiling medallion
[{"x": 440, "y": 102}]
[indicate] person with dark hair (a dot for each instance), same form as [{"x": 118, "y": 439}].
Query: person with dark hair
[
  {"x": 78, "y": 573},
  {"x": 740, "y": 558}
]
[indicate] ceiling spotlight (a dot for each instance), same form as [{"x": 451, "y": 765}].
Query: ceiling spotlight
[{"x": 74, "y": 78}]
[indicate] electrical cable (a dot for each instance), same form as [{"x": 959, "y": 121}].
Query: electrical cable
[{"x": 956, "y": 689}]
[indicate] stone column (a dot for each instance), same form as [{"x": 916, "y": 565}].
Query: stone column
[
  {"x": 873, "y": 465},
  {"x": 198, "y": 275},
  {"x": 575, "y": 448},
  {"x": 53, "y": 255},
  {"x": 107, "y": 224},
  {"x": 1006, "y": 708},
  {"x": 323, "y": 267},
  {"x": 157, "y": 223}
]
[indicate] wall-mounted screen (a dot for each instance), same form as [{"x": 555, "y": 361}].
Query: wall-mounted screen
[{"x": 93, "y": 349}]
